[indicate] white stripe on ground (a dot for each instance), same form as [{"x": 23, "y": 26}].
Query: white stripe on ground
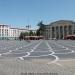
[
  {"x": 39, "y": 55},
  {"x": 16, "y": 49},
  {"x": 28, "y": 53},
  {"x": 66, "y": 48},
  {"x": 21, "y": 58},
  {"x": 0, "y": 54},
  {"x": 41, "y": 51},
  {"x": 52, "y": 54},
  {"x": 32, "y": 50}
]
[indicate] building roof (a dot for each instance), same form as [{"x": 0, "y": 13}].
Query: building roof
[
  {"x": 4, "y": 25},
  {"x": 22, "y": 29},
  {"x": 13, "y": 28},
  {"x": 62, "y": 22}
]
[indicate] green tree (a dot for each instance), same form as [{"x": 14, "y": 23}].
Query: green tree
[
  {"x": 26, "y": 33},
  {"x": 31, "y": 33},
  {"x": 22, "y": 35},
  {"x": 41, "y": 28},
  {"x": 34, "y": 33},
  {"x": 38, "y": 32}
]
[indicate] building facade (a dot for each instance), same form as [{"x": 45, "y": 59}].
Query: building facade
[
  {"x": 22, "y": 30},
  {"x": 10, "y": 33},
  {"x": 4, "y": 31},
  {"x": 14, "y": 33},
  {"x": 59, "y": 29}
]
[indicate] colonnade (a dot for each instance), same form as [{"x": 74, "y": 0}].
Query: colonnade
[{"x": 59, "y": 32}]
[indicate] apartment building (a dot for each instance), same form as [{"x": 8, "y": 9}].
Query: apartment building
[
  {"x": 7, "y": 32},
  {"x": 14, "y": 33},
  {"x": 22, "y": 30},
  {"x": 4, "y": 31}
]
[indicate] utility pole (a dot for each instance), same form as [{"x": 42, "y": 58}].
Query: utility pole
[{"x": 28, "y": 27}]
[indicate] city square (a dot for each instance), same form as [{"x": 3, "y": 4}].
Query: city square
[
  {"x": 37, "y": 37},
  {"x": 39, "y": 56},
  {"x": 56, "y": 50}
]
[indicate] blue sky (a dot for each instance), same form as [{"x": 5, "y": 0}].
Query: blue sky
[{"x": 19, "y": 13}]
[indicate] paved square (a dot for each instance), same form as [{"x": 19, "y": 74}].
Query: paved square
[
  {"x": 51, "y": 49},
  {"x": 47, "y": 54}
]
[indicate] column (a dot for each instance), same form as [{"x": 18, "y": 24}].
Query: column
[
  {"x": 4, "y": 32},
  {"x": 50, "y": 32},
  {"x": 1, "y": 31},
  {"x": 72, "y": 29},
  {"x": 63, "y": 31},
  {"x": 59, "y": 31},
  {"x": 55, "y": 31},
  {"x": 67, "y": 30}
]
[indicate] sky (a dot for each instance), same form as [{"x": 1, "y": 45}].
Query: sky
[{"x": 20, "y": 13}]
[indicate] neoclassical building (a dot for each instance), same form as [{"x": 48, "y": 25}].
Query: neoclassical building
[{"x": 59, "y": 29}]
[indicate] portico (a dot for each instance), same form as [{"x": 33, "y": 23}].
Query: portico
[{"x": 59, "y": 30}]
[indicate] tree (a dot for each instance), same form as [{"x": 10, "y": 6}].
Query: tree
[
  {"x": 25, "y": 34},
  {"x": 41, "y": 28},
  {"x": 22, "y": 35},
  {"x": 38, "y": 32},
  {"x": 34, "y": 33},
  {"x": 30, "y": 33}
]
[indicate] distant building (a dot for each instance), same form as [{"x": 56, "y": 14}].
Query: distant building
[
  {"x": 13, "y": 33},
  {"x": 59, "y": 29},
  {"x": 4, "y": 31},
  {"x": 22, "y": 30},
  {"x": 10, "y": 33}
]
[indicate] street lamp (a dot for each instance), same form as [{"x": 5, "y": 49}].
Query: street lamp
[{"x": 28, "y": 26}]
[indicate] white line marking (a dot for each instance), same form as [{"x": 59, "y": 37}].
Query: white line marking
[
  {"x": 39, "y": 55},
  {"x": 0, "y": 54},
  {"x": 10, "y": 51},
  {"x": 28, "y": 53},
  {"x": 21, "y": 58},
  {"x": 73, "y": 51},
  {"x": 16, "y": 49},
  {"x": 66, "y": 48},
  {"x": 42, "y": 51},
  {"x": 32, "y": 50},
  {"x": 52, "y": 54}
]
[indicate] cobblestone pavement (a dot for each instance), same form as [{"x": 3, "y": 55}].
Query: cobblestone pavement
[{"x": 38, "y": 57}]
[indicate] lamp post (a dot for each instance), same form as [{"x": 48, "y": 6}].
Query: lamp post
[{"x": 28, "y": 26}]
